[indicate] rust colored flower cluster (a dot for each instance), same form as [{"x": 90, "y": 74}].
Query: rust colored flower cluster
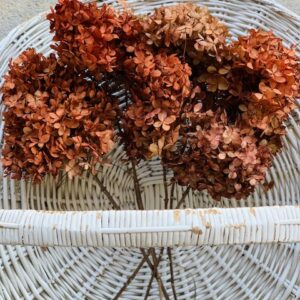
[
  {"x": 217, "y": 156},
  {"x": 168, "y": 84},
  {"x": 248, "y": 96},
  {"x": 89, "y": 37},
  {"x": 161, "y": 85},
  {"x": 262, "y": 56},
  {"x": 55, "y": 119}
]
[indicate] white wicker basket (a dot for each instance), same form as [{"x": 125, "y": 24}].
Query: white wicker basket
[{"x": 75, "y": 216}]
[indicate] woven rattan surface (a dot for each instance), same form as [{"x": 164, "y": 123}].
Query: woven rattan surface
[{"x": 261, "y": 271}]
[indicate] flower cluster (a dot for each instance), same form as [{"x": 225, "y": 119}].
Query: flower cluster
[
  {"x": 161, "y": 85},
  {"x": 168, "y": 84},
  {"x": 187, "y": 27},
  {"x": 276, "y": 69},
  {"x": 55, "y": 119},
  {"x": 213, "y": 155},
  {"x": 249, "y": 95},
  {"x": 89, "y": 37}
]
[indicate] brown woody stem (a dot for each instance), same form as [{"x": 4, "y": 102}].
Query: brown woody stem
[
  {"x": 155, "y": 274},
  {"x": 169, "y": 251},
  {"x": 130, "y": 278},
  {"x": 168, "y": 248},
  {"x": 172, "y": 195},
  {"x": 165, "y": 187},
  {"x": 151, "y": 250},
  {"x": 183, "y": 197},
  {"x": 60, "y": 182},
  {"x": 107, "y": 193},
  {"x": 149, "y": 287},
  {"x": 137, "y": 186}
]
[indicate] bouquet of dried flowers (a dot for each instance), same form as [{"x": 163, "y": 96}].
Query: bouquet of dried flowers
[{"x": 210, "y": 107}]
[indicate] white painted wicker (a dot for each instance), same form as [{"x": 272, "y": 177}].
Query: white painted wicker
[{"x": 41, "y": 270}]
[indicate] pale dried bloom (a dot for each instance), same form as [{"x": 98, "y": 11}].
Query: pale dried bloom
[{"x": 188, "y": 27}]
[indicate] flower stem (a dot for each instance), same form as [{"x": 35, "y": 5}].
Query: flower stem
[
  {"x": 130, "y": 278},
  {"x": 156, "y": 275},
  {"x": 183, "y": 197},
  {"x": 172, "y": 195},
  {"x": 169, "y": 251},
  {"x": 165, "y": 187},
  {"x": 137, "y": 186},
  {"x": 107, "y": 193}
]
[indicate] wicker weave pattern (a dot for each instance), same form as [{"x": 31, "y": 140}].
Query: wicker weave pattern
[
  {"x": 191, "y": 227},
  {"x": 267, "y": 271}
]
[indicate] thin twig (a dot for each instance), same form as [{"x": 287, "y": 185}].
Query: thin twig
[
  {"x": 160, "y": 284},
  {"x": 154, "y": 269},
  {"x": 60, "y": 182},
  {"x": 149, "y": 287},
  {"x": 169, "y": 251},
  {"x": 141, "y": 207},
  {"x": 183, "y": 197},
  {"x": 155, "y": 259},
  {"x": 130, "y": 278},
  {"x": 137, "y": 186},
  {"x": 160, "y": 291},
  {"x": 165, "y": 187},
  {"x": 107, "y": 193},
  {"x": 172, "y": 194},
  {"x": 168, "y": 248},
  {"x": 156, "y": 275}
]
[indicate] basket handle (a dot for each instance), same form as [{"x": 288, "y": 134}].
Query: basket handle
[{"x": 190, "y": 227}]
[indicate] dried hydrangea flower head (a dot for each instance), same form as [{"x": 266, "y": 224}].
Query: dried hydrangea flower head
[
  {"x": 88, "y": 36},
  {"x": 159, "y": 86},
  {"x": 55, "y": 119},
  {"x": 262, "y": 55},
  {"x": 243, "y": 100},
  {"x": 188, "y": 27},
  {"x": 213, "y": 155}
]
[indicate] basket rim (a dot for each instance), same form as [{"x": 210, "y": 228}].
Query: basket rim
[{"x": 148, "y": 228}]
